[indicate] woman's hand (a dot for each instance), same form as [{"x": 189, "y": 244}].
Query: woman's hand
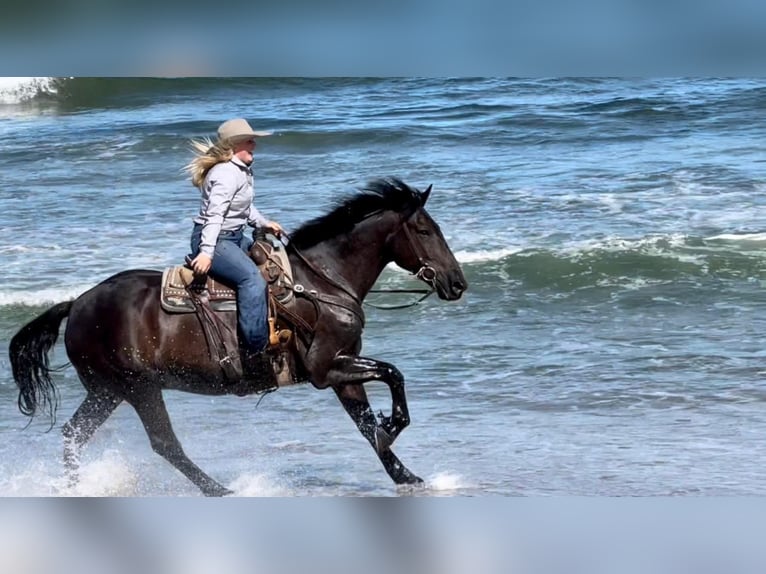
[
  {"x": 201, "y": 263},
  {"x": 274, "y": 228}
]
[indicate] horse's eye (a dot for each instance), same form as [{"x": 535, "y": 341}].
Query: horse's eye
[{"x": 424, "y": 232}]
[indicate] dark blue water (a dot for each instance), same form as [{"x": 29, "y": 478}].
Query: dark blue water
[{"x": 613, "y": 233}]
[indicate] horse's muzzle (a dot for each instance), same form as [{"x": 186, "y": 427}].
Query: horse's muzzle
[{"x": 451, "y": 286}]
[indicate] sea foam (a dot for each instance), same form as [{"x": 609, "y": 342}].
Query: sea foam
[
  {"x": 18, "y": 90},
  {"x": 41, "y": 297}
]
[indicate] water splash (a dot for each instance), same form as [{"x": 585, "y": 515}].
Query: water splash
[
  {"x": 37, "y": 479},
  {"x": 445, "y": 483},
  {"x": 109, "y": 475},
  {"x": 254, "y": 485}
]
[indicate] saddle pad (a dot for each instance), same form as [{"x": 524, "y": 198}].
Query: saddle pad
[{"x": 174, "y": 297}]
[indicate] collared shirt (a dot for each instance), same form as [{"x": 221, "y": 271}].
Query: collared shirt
[{"x": 226, "y": 203}]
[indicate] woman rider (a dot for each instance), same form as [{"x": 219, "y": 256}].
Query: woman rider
[{"x": 222, "y": 172}]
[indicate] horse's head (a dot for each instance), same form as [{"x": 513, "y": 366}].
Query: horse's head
[{"x": 420, "y": 247}]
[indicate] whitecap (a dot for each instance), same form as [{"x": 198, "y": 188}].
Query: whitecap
[
  {"x": 754, "y": 237},
  {"x": 42, "y": 297},
  {"x": 486, "y": 255},
  {"x": 18, "y": 90}
]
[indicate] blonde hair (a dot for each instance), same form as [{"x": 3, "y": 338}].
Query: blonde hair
[{"x": 206, "y": 155}]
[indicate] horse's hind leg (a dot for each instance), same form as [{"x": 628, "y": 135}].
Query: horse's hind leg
[
  {"x": 90, "y": 415},
  {"x": 354, "y": 400},
  {"x": 150, "y": 407}
]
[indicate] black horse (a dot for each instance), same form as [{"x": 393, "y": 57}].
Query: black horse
[{"x": 125, "y": 347}]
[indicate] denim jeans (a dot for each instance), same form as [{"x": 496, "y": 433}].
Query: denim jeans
[{"x": 232, "y": 265}]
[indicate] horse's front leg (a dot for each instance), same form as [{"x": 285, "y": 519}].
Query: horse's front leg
[
  {"x": 354, "y": 400},
  {"x": 352, "y": 370}
]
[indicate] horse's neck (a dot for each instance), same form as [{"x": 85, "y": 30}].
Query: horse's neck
[{"x": 353, "y": 263}]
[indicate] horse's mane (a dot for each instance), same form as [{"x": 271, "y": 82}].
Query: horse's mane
[{"x": 388, "y": 194}]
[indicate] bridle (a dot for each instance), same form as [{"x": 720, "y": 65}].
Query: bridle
[{"x": 425, "y": 273}]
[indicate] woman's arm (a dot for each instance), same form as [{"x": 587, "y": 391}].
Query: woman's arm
[{"x": 221, "y": 185}]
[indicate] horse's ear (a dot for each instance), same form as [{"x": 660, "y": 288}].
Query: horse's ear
[{"x": 425, "y": 194}]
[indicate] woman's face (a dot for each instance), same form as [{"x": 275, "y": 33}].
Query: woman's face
[{"x": 244, "y": 150}]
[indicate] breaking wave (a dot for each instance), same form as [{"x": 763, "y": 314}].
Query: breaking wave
[
  {"x": 20, "y": 90},
  {"x": 614, "y": 262},
  {"x": 590, "y": 264}
]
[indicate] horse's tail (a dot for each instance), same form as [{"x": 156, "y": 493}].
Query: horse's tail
[{"x": 29, "y": 361}]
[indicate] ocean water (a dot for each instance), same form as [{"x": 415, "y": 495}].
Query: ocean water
[{"x": 613, "y": 233}]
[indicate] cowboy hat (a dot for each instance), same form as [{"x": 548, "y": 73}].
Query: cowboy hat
[{"x": 238, "y": 129}]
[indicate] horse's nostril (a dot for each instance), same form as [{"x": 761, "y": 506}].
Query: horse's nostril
[{"x": 458, "y": 286}]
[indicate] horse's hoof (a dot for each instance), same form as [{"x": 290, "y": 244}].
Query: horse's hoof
[
  {"x": 409, "y": 481},
  {"x": 414, "y": 480},
  {"x": 218, "y": 491}
]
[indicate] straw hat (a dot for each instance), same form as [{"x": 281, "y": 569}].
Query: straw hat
[{"x": 238, "y": 129}]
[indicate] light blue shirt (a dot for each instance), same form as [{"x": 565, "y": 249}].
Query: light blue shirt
[{"x": 227, "y": 202}]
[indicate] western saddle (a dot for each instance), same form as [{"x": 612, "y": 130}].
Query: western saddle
[{"x": 184, "y": 292}]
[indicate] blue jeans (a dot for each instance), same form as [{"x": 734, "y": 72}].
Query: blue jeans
[{"x": 232, "y": 265}]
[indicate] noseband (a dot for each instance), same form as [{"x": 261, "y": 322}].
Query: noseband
[{"x": 426, "y": 273}]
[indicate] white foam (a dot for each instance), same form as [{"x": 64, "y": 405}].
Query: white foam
[
  {"x": 612, "y": 202},
  {"x": 616, "y": 244},
  {"x": 41, "y": 297},
  {"x": 755, "y": 237},
  {"x": 486, "y": 255},
  {"x": 29, "y": 250},
  {"x": 445, "y": 482},
  {"x": 35, "y": 480},
  {"x": 110, "y": 475},
  {"x": 256, "y": 485},
  {"x": 17, "y": 90}
]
